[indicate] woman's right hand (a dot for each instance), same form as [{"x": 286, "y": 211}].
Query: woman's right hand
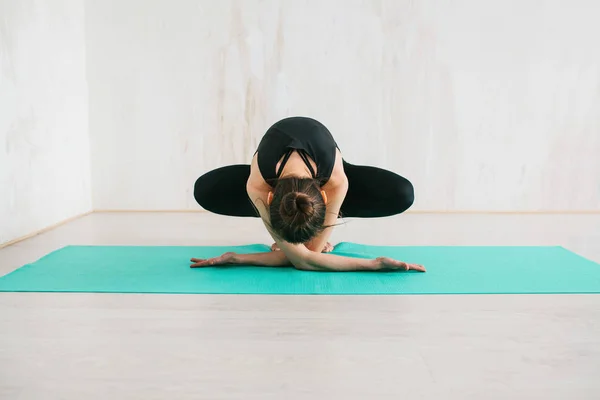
[{"x": 389, "y": 264}]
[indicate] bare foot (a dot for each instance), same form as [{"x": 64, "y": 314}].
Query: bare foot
[{"x": 327, "y": 249}]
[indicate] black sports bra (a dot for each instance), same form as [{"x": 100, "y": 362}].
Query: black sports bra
[{"x": 308, "y": 137}]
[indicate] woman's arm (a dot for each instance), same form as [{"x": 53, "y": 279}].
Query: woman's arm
[
  {"x": 308, "y": 260},
  {"x": 270, "y": 259},
  {"x": 305, "y": 259},
  {"x": 336, "y": 191}
]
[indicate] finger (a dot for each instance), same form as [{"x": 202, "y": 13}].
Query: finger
[
  {"x": 201, "y": 263},
  {"x": 196, "y": 259},
  {"x": 417, "y": 267},
  {"x": 198, "y": 264},
  {"x": 205, "y": 263},
  {"x": 401, "y": 265},
  {"x": 397, "y": 265}
]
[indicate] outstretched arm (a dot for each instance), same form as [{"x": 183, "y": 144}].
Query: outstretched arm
[
  {"x": 307, "y": 260},
  {"x": 269, "y": 259},
  {"x": 336, "y": 190}
]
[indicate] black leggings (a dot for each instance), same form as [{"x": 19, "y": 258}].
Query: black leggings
[{"x": 372, "y": 192}]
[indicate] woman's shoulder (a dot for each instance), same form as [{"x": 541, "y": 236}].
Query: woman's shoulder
[
  {"x": 338, "y": 178},
  {"x": 256, "y": 179},
  {"x": 256, "y": 187}
]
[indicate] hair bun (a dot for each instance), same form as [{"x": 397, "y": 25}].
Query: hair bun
[
  {"x": 297, "y": 209},
  {"x": 297, "y": 206},
  {"x": 305, "y": 204}
]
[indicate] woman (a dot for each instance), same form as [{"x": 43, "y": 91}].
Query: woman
[{"x": 299, "y": 184}]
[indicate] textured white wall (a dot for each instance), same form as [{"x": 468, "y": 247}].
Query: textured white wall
[
  {"x": 44, "y": 142},
  {"x": 484, "y": 105}
]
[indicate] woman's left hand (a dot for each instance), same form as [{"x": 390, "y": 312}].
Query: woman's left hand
[{"x": 225, "y": 259}]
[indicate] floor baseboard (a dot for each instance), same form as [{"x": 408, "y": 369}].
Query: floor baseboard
[{"x": 46, "y": 229}]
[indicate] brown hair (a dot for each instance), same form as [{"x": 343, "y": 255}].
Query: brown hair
[{"x": 297, "y": 210}]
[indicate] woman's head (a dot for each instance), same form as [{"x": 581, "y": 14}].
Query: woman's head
[{"x": 297, "y": 209}]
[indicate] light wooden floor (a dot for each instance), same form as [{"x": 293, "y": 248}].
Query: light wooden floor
[{"x": 98, "y": 346}]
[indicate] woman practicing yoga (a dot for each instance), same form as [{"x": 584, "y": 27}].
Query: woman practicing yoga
[{"x": 299, "y": 184}]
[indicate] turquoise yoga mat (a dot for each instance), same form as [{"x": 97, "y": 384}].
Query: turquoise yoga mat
[{"x": 450, "y": 270}]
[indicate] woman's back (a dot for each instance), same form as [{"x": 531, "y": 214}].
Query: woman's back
[{"x": 306, "y": 136}]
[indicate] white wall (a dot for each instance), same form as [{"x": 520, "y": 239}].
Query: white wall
[
  {"x": 484, "y": 105},
  {"x": 44, "y": 142}
]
